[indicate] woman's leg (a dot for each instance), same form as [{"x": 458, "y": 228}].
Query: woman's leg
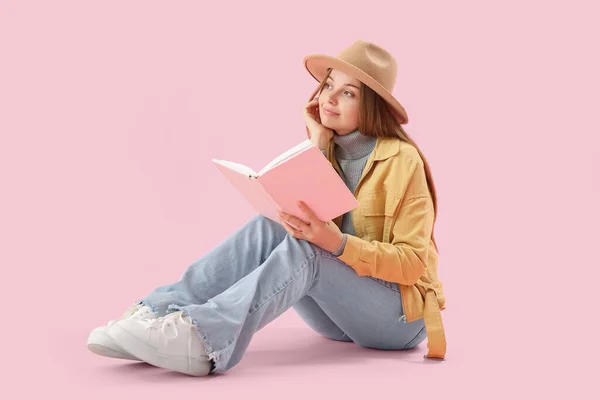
[
  {"x": 365, "y": 309},
  {"x": 315, "y": 317},
  {"x": 235, "y": 257},
  {"x": 368, "y": 310}
]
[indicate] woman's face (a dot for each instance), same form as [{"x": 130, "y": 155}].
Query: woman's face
[{"x": 341, "y": 96}]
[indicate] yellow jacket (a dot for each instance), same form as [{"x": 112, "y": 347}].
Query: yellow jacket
[{"x": 393, "y": 225}]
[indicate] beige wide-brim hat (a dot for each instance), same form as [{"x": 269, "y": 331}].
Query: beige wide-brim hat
[{"x": 367, "y": 62}]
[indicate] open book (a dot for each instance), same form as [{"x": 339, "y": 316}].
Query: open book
[{"x": 300, "y": 173}]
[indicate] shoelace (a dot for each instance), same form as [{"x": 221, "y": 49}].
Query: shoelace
[
  {"x": 133, "y": 309},
  {"x": 142, "y": 311},
  {"x": 169, "y": 320},
  {"x": 130, "y": 312}
]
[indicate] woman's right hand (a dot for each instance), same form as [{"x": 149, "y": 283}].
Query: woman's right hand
[{"x": 319, "y": 135}]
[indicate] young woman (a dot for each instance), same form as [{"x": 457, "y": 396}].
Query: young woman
[{"x": 368, "y": 277}]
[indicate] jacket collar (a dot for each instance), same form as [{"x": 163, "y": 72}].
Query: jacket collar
[{"x": 385, "y": 148}]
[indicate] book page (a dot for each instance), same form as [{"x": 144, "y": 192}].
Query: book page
[
  {"x": 242, "y": 169},
  {"x": 251, "y": 190},
  {"x": 309, "y": 177},
  {"x": 286, "y": 155}
]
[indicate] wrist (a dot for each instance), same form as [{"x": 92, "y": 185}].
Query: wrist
[
  {"x": 322, "y": 144},
  {"x": 339, "y": 250}
]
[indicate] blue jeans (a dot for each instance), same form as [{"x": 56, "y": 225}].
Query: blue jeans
[{"x": 259, "y": 272}]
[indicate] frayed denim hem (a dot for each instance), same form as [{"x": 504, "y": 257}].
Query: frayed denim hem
[{"x": 217, "y": 357}]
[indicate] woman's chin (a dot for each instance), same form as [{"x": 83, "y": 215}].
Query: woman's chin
[{"x": 328, "y": 126}]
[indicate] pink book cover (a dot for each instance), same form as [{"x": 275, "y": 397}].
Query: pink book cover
[{"x": 301, "y": 173}]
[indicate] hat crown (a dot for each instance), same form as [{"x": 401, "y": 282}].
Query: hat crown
[{"x": 373, "y": 60}]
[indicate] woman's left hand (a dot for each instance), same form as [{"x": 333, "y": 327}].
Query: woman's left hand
[{"x": 324, "y": 234}]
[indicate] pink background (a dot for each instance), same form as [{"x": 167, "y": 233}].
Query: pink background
[{"x": 110, "y": 112}]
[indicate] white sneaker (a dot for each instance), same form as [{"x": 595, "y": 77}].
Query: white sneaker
[
  {"x": 170, "y": 342},
  {"x": 99, "y": 342}
]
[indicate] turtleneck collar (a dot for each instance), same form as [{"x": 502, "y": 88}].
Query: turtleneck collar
[{"x": 354, "y": 145}]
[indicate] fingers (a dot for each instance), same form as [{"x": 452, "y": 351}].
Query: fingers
[
  {"x": 296, "y": 223},
  {"x": 312, "y": 218},
  {"x": 311, "y": 110},
  {"x": 312, "y": 106},
  {"x": 290, "y": 229}
]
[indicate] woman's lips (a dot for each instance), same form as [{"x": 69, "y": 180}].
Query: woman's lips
[{"x": 326, "y": 112}]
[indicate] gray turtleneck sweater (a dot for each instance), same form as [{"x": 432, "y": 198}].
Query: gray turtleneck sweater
[{"x": 351, "y": 152}]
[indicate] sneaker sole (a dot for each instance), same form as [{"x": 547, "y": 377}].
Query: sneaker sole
[
  {"x": 98, "y": 343},
  {"x": 147, "y": 353}
]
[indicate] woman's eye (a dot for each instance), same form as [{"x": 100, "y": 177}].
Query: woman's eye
[{"x": 349, "y": 94}]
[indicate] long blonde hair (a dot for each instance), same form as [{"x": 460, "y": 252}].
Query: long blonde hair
[{"x": 376, "y": 120}]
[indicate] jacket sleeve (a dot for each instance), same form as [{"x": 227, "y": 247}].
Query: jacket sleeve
[{"x": 404, "y": 259}]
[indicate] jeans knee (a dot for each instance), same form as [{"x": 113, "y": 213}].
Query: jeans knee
[
  {"x": 257, "y": 220},
  {"x": 261, "y": 222}
]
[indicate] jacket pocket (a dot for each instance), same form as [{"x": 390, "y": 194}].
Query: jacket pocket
[{"x": 378, "y": 212}]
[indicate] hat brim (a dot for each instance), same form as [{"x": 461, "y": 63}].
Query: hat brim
[{"x": 317, "y": 65}]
